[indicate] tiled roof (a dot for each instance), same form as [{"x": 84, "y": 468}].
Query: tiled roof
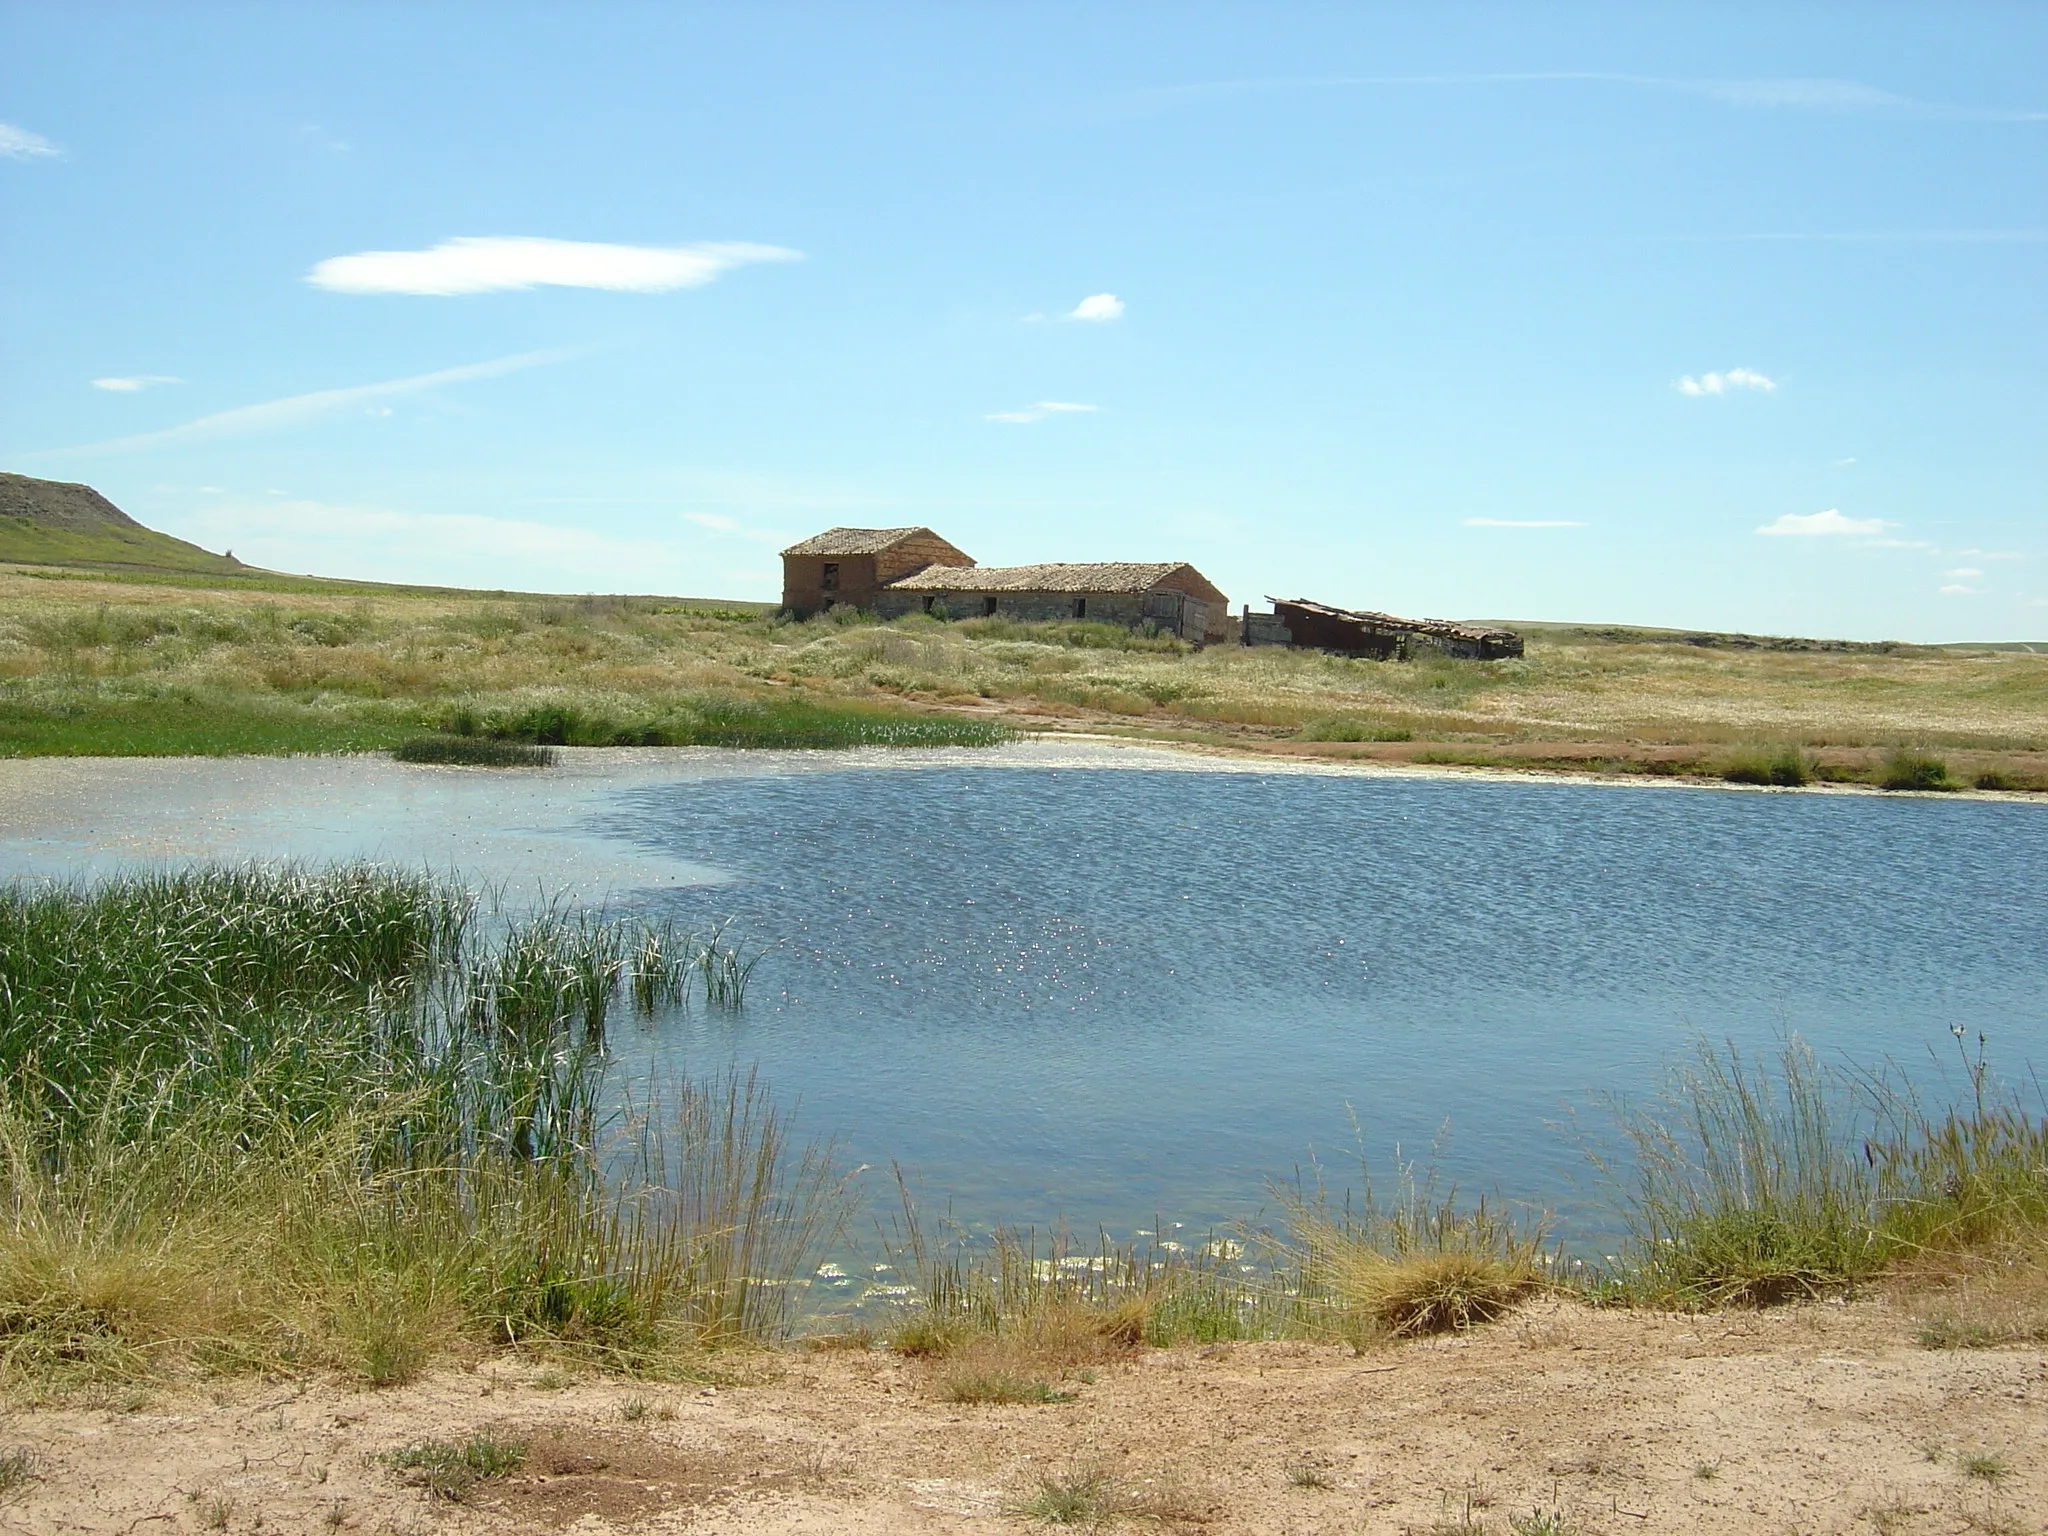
[
  {"x": 855, "y": 541},
  {"x": 1110, "y": 576}
]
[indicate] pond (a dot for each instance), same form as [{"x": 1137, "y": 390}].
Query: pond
[{"x": 1112, "y": 985}]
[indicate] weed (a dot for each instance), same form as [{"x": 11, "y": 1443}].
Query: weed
[
  {"x": 1543, "y": 1522},
  {"x": 1907, "y": 769},
  {"x": 20, "y": 1465},
  {"x": 1090, "y": 1496},
  {"x": 451, "y": 1470},
  {"x": 472, "y": 752},
  {"x": 215, "y": 1510},
  {"x": 1706, "y": 1471},
  {"x": 549, "y": 1379},
  {"x": 1988, "y": 1467},
  {"x": 634, "y": 1409},
  {"x": 999, "y": 1387},
  {"x": 1308, "y": 1477}
]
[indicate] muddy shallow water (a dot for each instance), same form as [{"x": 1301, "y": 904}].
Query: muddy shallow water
[{"x": 1107, "y": 984}]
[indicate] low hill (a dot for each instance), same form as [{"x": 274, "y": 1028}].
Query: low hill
[{"x": 54, "y": 522}]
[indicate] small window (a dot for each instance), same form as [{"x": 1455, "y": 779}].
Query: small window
[
  {"x": 988, "y": 606},
  {"x": 1080, "y": 607},
  {"x": 830, "y": 580},
  {"x": 931, "y": 601}
]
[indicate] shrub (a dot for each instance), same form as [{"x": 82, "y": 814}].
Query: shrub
[
  {"x": 999, "y": 1387},
  {"x": 1907, "y": 769},
  {"x": 1787, "y": 768},
  {"x": 472, "y": 752},
  {"x": 1992, "y": 778}
]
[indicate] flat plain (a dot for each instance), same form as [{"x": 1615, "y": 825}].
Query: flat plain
[{"x": 191, "y": 664}]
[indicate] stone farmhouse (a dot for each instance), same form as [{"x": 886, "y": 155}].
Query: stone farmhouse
[{"x": 896, "y": 571}]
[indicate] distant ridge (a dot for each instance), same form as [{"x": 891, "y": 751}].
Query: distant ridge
[{"x": 55, "y": 522}]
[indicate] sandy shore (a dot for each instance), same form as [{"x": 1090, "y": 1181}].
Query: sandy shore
[{"x": 1816, "y": 1419}]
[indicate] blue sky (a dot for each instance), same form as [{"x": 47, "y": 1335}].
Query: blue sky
[{"x": 1726, "y": 316}]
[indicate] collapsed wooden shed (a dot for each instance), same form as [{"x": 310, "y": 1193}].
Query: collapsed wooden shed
[{"x": 1297, "y": 621}]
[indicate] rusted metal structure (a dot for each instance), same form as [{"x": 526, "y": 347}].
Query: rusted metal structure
[{"x": 1297, "y": 621}]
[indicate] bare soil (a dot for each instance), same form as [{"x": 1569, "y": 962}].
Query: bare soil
[{"x": 1816, "y": 1419}]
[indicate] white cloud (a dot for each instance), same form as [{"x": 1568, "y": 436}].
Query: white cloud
[
  {"x": 1830, "y": 522},
  {"x": 1039, "y": 411},
  {"x": 135, "y": 381},
  {"x": 1963, "y": 572},
  {"x": 298, "y": 410},
  {"x": 1722, "y": 383},
  {"x": 1844, "y": 463},
  {"x": 1520, "y": 522},
  {"x": 493, "y": 264},
  {"x": 1959, "y": 591},
  {"x": 712, "y": 520},
  {"x": 20, "y": 144},
  {"x": 1098, "y": 307}
]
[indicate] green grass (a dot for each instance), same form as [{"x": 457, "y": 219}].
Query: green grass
[
  {"x": 472, "y": 752},
  {"x": 192, "y": 727},
  {"x": 1353, "y": 728},
  {"x": 24, "y": 541},
  {"x": 277, "y": 1119},
  {"x": 730, "y": 722}
]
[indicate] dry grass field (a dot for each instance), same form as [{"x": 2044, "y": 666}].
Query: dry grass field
[{"x": 191, "y": 664}]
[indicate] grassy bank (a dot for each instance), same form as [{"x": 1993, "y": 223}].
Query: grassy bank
[
  {"x": 286, "y": 1121},
  {"x": 279, "y": 1121},
  {"x": 127, "y": 665}
]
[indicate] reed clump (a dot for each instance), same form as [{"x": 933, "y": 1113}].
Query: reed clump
[
  {"x": 1756, "y": 1183},
  {"x": 286, "y": 1119}
]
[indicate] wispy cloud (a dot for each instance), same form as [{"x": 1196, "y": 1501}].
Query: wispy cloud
[
  {"x": 1826, "y": 524},
  {"x": 135, "y": 382},
  {"x": 1723, "y": 383},
  {"x": 494, "y": 264},
  {"x": 1039, "y": 411},
  {"x": 712, "y": 520},
  {"x": 299, "y": 410},
  {"x": 1521, "y": 522},
  {"x": 1781, "y": 93},
  {"x": 1957, "y": 590},
  {"x": 1886, "y": 236},
  {"x": 1098, "y": 307},
  {"x": 20, "y": 144}
]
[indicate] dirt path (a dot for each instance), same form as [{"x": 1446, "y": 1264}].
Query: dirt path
[{"x": 1817, "y": 1419}]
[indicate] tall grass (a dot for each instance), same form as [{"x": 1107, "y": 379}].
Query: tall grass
[
  {"x": 717, "y": 721},
  {"x": 1757, "y": 1183},
  {"x": 286, "y": 1118}
]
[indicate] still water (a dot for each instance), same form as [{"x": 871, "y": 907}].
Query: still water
[
  {"x": 1102, "y": 995},
  {"x": 1055, "y": 981}
]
